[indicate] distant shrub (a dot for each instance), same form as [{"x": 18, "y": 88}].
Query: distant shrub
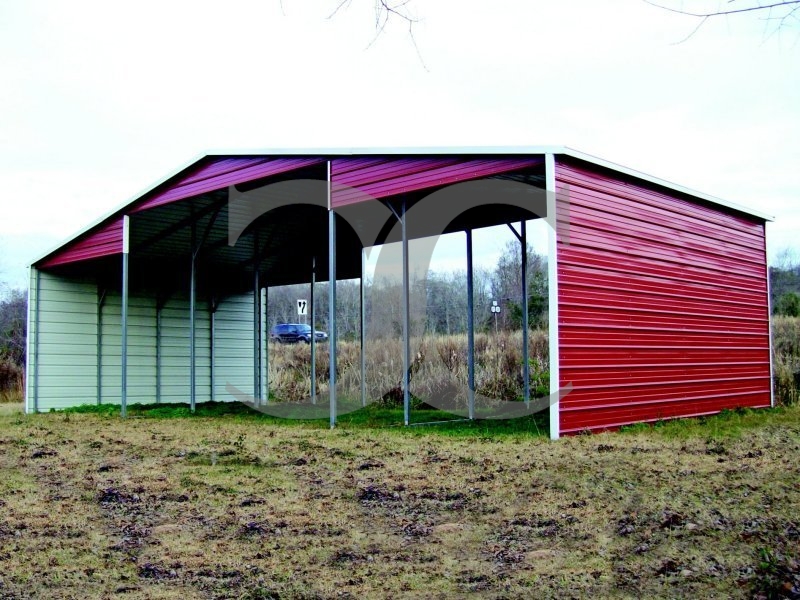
[{"x": 788, "y": 305}]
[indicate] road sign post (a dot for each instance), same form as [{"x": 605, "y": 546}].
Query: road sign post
[
  {"x": 495, "y": 312},
  {"x": 302, "y": 307}
]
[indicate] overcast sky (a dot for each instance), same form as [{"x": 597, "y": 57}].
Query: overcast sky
[{"x": 100, "y": 99}]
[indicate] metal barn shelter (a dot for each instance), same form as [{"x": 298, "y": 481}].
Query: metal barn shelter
[{"x": 659, "y": 300}]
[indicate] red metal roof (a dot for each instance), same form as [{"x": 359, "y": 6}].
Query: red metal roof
[
  {"x": 221, "y": 172},
  {"x": 103, "y": 241},
  {"x": 208, "y": 175},
  {"x": 357, "y": 179}
]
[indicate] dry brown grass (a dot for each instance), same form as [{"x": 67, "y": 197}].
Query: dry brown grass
[
  {"x": 12, "y": 382},
  {"x": 786, "y": 344},
  {"x": 439, "y": 365},
  {"x": 97, "y": 507}
]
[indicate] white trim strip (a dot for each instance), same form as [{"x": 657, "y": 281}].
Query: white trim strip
[
  {"x": 552, "y": 287},
  {"x": 126, "y": 234},
  {"x": 769, "y": 318}
]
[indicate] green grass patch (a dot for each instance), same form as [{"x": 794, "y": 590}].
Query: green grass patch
[
  {"x": 372, "y": 416},
  {"x": 726, "y": 424}
]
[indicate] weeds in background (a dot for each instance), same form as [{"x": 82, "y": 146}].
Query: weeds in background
[
  {"x": 12, "y": 381},
  {"x": 439, "y": 367},
  {"x": 786, "y": 356}
]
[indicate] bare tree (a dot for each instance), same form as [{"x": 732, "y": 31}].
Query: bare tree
[{"x": 778, "y": 14}]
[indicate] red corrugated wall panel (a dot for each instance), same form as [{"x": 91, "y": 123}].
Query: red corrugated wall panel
[
  {"x": 210, "y": 174},
  {"x": 663, "y": 308},
  {"x": 358, "y": 179},
  {"x": 104, "y": 241}
]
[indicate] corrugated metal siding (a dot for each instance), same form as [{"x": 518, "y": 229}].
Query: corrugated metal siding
[
  {"x": 141, "y": 349},
  {"x": 662, "y": 304},
  {"x": 68, "y": 347},
  {"x": 67, "y": 343},
  {"x": 358, "y": 179},
  {"x": 104, "y": 241},
  {"x": 234, "y": 346}
]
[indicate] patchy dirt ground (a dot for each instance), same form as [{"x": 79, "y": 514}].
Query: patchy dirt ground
[{"x": 94, "y": 507}]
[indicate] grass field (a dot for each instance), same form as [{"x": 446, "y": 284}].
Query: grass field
[{"x": 232, "y": 504}]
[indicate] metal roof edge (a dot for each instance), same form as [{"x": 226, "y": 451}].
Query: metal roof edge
[
  {"x": 399, "y": 150},
  {"x": 663, "y": 182},
  {"x": 116, "y": 211}
]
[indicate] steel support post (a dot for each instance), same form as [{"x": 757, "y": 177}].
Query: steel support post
[
  {"x": 363, "y": 309},
  {"x": 332, "y": 306},
  {"x": 101, "y": 298},
  {"x": 313, "y": 333},
  {"x": 212, "y": 326},
  {"x": 406, "y": 322},
  {"x": 256, "y": 336},
  {"x": 265, "y": 337},
  {"x": 470, "y": 330},
  {"x": 525, "y": 362},
  {"x": 158, "y": 350},
  {"x": 124, "y": 317},
  {"x": 192, "y": 349}
]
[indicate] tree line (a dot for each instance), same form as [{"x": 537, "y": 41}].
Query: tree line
[
  {"x": 438, "y": 304},
  {"x": 438, "y": 300}
]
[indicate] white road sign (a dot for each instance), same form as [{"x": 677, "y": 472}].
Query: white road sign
[{"x": 302, "y": 307}]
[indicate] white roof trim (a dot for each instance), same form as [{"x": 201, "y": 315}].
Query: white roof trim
[{"x": 543, "y": 150}]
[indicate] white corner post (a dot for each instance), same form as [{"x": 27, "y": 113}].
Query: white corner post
[
  {"x": 769, "y": 320},
  {"x": 552, "y": 286},
  {"x": 36, "y": 338},
  {"x": 126, "y": 243},
  {"x": 332, "y": 301}
]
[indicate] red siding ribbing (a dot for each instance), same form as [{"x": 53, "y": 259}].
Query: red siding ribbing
[
  {"x": 663, "y": 307},
  {"x": 358, "y": 179},
  {"x": 104, "y": 241}
]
